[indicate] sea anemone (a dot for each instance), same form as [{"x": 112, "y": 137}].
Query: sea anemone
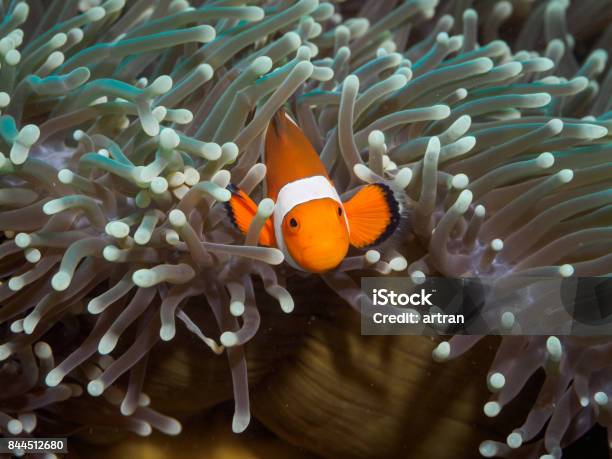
[{"x": 123, "y": 123}]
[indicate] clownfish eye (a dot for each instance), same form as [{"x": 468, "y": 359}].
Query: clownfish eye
[
  {"x": 292, "y": 224},
  {"x": 339, "y": 211}
]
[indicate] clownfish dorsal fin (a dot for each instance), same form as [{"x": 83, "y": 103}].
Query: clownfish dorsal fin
[
  {"x": 278, "y": 122},
  {"x": 241, "y": 209},
  {"x": 373, "y": 215},
  {"x": 289, "y": 155}
]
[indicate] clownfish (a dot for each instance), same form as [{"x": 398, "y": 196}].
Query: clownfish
[{"x": 310, "y": 224}]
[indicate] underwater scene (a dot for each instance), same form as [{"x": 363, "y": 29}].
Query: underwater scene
[{"x": 310, "y": 229}]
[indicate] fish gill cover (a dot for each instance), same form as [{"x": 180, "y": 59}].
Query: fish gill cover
[{"x": 122, "y": 124}]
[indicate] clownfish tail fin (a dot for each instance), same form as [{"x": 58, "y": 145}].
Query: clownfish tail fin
[
  {"x": 374, "y": 214},
  {"x": 241, "y": 209}
]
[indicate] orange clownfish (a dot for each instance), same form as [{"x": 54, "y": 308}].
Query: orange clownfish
[{"x": 310, "y": 224}]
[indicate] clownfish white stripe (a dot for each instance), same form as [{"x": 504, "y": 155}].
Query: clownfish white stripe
[{"x": 299, "y": 192}]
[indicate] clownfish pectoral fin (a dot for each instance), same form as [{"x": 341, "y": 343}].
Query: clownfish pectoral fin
[
  {"x": 373, "y": 215},
  {"x": 241, "y": 209}
]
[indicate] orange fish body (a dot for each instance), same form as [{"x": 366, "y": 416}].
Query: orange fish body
[{"x": 310, "y": 224}]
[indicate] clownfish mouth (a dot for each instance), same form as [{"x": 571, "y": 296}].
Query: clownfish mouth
[{"x": 323, "y": 257}]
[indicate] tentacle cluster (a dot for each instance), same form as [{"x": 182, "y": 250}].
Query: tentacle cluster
[{"x": 123, "y": 123}]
